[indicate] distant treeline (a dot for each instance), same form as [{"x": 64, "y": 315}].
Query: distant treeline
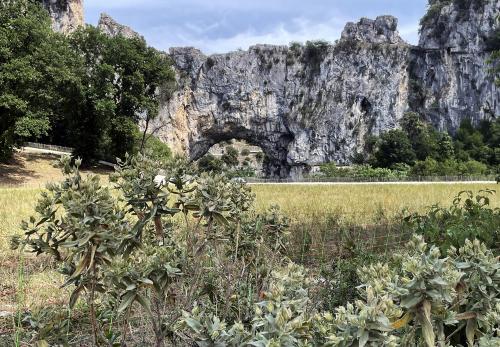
[
  {"x": 86, "y": 90},
  {"x": 418, "y": 149}
]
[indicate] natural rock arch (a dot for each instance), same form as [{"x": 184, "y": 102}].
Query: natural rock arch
[
  {"x": 274, "y": 148},
  {"x": 303, "y": 105},
  {"x": 309, "y": 104}
]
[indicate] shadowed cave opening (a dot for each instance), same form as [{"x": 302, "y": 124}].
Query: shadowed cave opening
[{"x": 267, "y": 157}]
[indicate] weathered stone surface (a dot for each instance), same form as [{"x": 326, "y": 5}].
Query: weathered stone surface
[
  {"x": 464, "y": 25},
  {"x": 67, "y": 15},
  {"x": 112, "y": 28},
  {"x": 306, "y": 105},
  {"x": 381, "y": 30},
  {"x": 449, "y": 71},
  {"x": 303, "y": 105}
]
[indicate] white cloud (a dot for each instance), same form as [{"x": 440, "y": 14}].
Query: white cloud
[
  {"x": 304, "y": 30},
  {"x": 218, "y": 26}
]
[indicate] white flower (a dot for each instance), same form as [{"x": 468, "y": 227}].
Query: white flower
[{"x": 160, "y": 180}]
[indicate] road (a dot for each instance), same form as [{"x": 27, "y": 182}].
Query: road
[{"x": 372, "y": 183}]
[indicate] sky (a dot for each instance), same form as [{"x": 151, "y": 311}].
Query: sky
[{"x": 219, "y": 26}]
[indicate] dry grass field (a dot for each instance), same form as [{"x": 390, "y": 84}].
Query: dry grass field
[{"x": 359, "y": 204}]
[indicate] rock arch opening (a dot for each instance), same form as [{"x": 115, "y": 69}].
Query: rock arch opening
[{"x": 267, "y": 156}]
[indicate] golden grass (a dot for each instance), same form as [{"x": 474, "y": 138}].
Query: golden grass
[
  {"x": 359, "y": 204},
  {"x": 32, "y": 169},
  {"x": 21, "y": 181},
  {"x": 40, "y": 282}
]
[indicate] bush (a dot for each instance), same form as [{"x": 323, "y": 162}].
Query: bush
[
  {"x": 183, "y": 257},
  {"x": 419, "y": 303},
  {"x": 364, "y": 172},
  {"x": 131, "y": 258},
  {"x": 393, "y": 147},
  {"x": 469, "y": 217},
  {"x": 342, "y": 280},
  {"x": 428, "y": 167},
  {"x": 230, "y": 157},
  {"x": 153, "y": 146},
  {"x": 209, "y": 163}
]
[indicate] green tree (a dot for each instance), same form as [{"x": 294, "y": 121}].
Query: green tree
[
  {"x": 445, "y": 148},
  {"x": 470, "y": 143},
  {"x": 427, "y": 167},
  {"x": 392, "y": 148},
  {"x": 423, "y": 138},
  {"x": 230, "y": 157},
  {"x": 123, "y": 79},
  {"x": 38, "y": 74},
  {"x": 209, "y": 163}
]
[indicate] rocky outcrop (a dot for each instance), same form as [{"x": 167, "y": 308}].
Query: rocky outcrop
[
  {"x": 303, "y": 105},
  {"x": 67, "y": 15},
  {"x": 449, "y": 75},
  {"x": 112, "y": 28},
  {"x": 381, "y": 30},
  {"x": 314, "y": 103}
]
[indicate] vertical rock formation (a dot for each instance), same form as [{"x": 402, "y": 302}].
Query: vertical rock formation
[
  {"x": 450, "y": 77},
  {"x": 67, "y": 15},
  {"x": 112, "y": 28},
  {"x": 303, "y": 105}
]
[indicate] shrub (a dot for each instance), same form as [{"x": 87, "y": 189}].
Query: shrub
[
  {"x": 230, "y": 157},
  {"x": 428, "y": 299},
  {"x": 428, "y": 167},
  {"x": 209, "y": 163},
  {"x": 469, "y": 217},
  {"x": 130, "y": 257},
  {"x": 392, "y": 148},
  {"x": 342, "y": 280},
  {"x": 153, "y": 146},
  {"x": 364, "y": 172}
]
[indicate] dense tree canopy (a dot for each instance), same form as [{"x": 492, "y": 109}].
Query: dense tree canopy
[
  {"x": 88, "y": 91},
  {"x": 38, "y": 74},
  {"x": 474, "y": 150},
  {"x": 394, "y": 147}
]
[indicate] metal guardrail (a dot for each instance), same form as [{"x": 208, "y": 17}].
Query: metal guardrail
[{"x": 49, "y": 147}]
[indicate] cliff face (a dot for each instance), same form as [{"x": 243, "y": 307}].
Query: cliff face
[
  {"x": 67, "y": 15},
  {"x": 449, "y": 69},
  {"x": 304, "y": 105}
]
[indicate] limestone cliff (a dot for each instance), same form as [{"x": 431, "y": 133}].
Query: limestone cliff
[
  {"x": 304, "y": 105},
  {"x": 449, "y": 70},
  {"x": 67, "y": 15},
  {"x": 112, "y": 28},
  {"x": 313, "y": 103}
]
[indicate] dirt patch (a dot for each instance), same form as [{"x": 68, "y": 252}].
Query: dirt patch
[{"x": 36, "y": 169}]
